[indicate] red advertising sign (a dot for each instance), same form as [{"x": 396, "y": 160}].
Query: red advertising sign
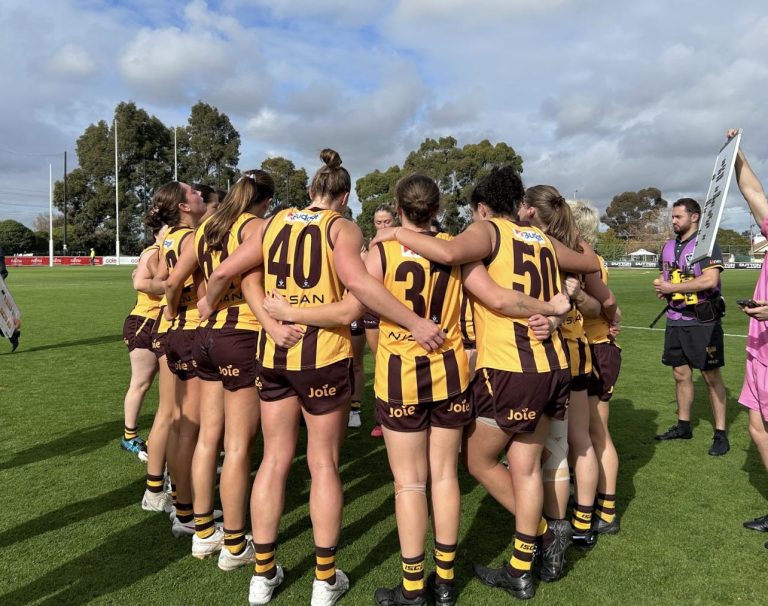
[{"x": 28, "y": 261}]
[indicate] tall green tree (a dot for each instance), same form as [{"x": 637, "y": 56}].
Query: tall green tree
[
  {"x": 455, "y": 170},
  {"x": 145, "y": 152},
  {"x": 16, "y": 238},
  {"x": 635, "y": 214},
  {"x": 209, "y": 147},
  {"x": 290, "y": 184}
]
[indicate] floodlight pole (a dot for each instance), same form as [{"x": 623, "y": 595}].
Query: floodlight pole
[
  {"x": 50, "y": 215},
  {"x": 117, "y": 204},
  {"x": 175, "y": 157}
]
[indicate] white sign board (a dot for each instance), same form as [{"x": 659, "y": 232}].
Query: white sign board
[
  {"x": 10, "y": 317},
  {"x": 712, "y": 210}
]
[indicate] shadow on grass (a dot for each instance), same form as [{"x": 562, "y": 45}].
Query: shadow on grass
[
  {"x": 77, "y": 442},
  {"x": 92, "y": 341},
  {"x": 758, "y": 476},
  {"x": 117, "y": 562},
  {"x": 73, "y": 513},
  {"x": 633, "y": 430}
]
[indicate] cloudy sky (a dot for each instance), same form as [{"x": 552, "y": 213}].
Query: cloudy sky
[{"x": 597, "y": 96}]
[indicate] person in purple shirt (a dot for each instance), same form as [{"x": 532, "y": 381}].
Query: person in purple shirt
[
  {"x": 754, "y": 393},
  {"x": 694, "y": 336}
]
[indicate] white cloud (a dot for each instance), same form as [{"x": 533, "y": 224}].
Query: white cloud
[{"x": 71, "y": 61}]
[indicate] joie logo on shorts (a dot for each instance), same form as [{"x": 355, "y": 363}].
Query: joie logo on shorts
[
  {"x": 257, "y": 382},
  {"x": 521, "y": 415},
  {"x": 322, "y": 392},
  {"x": 403, "y": 411},
  {"x": 459, "y": 406},
  {"x": 228, "y": 371},
  {"x": 155, "y": 344}
]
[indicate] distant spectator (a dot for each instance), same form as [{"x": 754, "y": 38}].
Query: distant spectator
[{"x": 93, "y": 256}]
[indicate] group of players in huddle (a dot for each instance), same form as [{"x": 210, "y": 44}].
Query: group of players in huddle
[{"x": 496, "y": 346}]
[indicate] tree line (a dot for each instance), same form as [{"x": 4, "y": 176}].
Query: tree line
[{"x": 208, "y": 152}]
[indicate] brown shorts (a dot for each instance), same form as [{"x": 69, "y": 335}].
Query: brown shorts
[
  {"x": 320, "y": 390},
  {"x": 179, "y": 351},
  {"x": 452, "y": 413},
  {"x": 227, "y": 355},
  {"x": 579, "y": 382},
  {"x": 370, "y": 320},
  {"x": 606, "y": 363},
  {"x": 137, "y": 332},
  {"x": 516, "y": 400}
]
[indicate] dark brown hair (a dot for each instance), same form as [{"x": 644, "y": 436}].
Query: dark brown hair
[
  {"x": 419, "y": 199},
  {"x": 331, "y": 179},
  {"x": 208, "y": 193},
  {"x": 690, "y": 205},
  {"x": 165, "y": 206},
  {"x": 253, "y": 188}
]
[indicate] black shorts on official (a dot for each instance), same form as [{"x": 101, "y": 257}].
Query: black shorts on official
[
  {"x": 179, "y": 351},
  {"x": 370, "y": 321},
  {"x": 453, "y": 413},
  {"x": 698, "y": 346},
  {"x": 517, "y": 400},
  {"x": 606, "y": 364},
  {"x": 227, "y": 355},
  {"x": 320, "y": 390},
  {"x": 137, "y": 332}
]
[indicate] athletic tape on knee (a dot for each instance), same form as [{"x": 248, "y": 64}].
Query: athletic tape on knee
[
  {"x": 554, "y": 465},
  {"x": 418, "y": 487}
]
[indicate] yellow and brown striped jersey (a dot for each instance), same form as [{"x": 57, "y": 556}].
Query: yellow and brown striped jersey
[
  {"x": 597, "y": 329},
  {"x": 576, "y": 341},
  {"x": 298, "y": 264},
  {"x": 524, "y": 260},
  {"x": 188, "y": 317},
  {"x": 405, "y": 372},
  {"x": 467, "y": 320},
  {"x": 232, "y": 310},
  {"x": 147, "y": 306}
]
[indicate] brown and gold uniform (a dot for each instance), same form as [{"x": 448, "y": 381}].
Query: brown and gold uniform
[
  {"x": 181, "y": 334},
  {"x": 519, "y": 378},
  {"x": 137, "y": 328},
  {"x": 579, "y": 354},
  {"x": 606, "y": 353},
  {"x": 298, "y": 264},
  {"x": 226, "y": 343},
  {"x": 415, "y": 389}
]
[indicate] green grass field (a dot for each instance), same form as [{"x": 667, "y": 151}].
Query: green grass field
[{"x": 72, "y": 530}]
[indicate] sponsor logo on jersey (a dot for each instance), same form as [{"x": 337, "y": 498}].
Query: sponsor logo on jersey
[
  {"x": 529, "y": 235},
  {"x": 301, "y": 217},
  {"x": 407, "y": 252}
]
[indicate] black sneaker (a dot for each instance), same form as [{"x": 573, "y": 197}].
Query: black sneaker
[
  {"x": 719, "y": 446},
  {"x": 552, "y": 558},
  {"x": 676, "y": 432},
  {"x": 395, "y": 597},
  {"x": 521, "y": 587},
  {"x": 759, "y": 524},
  {"x": 584, "y": 539},
  {"x": 602, "y": 527},
  {"x": 442, "y": 594},
  {"x": 14, "y": 339}
]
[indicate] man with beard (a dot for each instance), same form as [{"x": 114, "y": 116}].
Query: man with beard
[{"x": 694, "y": 336}]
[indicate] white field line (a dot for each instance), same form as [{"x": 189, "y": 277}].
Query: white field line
[{"x": 623, "y": 326}]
